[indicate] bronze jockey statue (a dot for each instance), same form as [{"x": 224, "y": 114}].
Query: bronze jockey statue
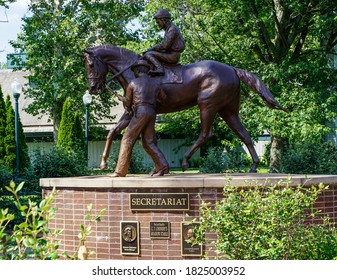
[{"x": 170, "y": 49}]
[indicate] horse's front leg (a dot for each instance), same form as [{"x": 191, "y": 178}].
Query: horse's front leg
[{"x": 121, "y": 124}]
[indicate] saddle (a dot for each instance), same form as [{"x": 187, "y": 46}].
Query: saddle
[{"x": 173, "y": 74}]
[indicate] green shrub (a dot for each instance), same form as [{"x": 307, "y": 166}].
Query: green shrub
[
  {"x": 58, "y": 162},
  {"x": 236, "y": 160},
  {"x": 2, "y": 126},
  {"x": 9, "y": 140},
  {"x": 214, "y": 161},
  {"x": 218, "y": 161},
  {"x": 5, "y": 177},
  {"x": 30, "y": 191},
  {"x": 71, "y": 135},
  {"x": 136, "y": 163},
  {"x": 32, "y": 238},
  {"x": 310, "y": 158},
  {"x": 8, "y": 202},
  {"x": 268, "y": 223},
  {"x": 193, "y": 162}
]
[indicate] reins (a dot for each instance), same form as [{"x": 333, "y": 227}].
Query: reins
[
  {"x": 117, "y": 74},
  {"x": 120, "y": 72}
]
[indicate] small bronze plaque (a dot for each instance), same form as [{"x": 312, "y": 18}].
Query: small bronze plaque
[
  {"x": 160, "y": 230},
  {"x": 130, "y": 238},
  {"x": 159, "y": 201},
  {"x": 187, "y": 238}
]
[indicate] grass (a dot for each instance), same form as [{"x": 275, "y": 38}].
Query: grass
[{"x": 177, "y": 170}]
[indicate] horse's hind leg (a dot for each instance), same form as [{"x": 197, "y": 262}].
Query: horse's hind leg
[
  {"x": 207, "y": 116},
  {"x": 234, "y": 123},
  {"x": 122, "y": 123}
]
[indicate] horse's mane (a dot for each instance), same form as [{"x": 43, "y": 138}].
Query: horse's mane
[{"x": 104, "y": 49}]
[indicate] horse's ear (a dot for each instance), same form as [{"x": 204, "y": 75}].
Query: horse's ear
[
  {"x": 88, "y": 52},
  {"x": 80, "y": 55}
]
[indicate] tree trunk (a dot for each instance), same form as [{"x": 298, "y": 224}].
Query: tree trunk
[{"x": 277, "y": 149}]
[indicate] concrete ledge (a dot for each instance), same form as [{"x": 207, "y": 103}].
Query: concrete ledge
[{"x": 184, "y": 181}]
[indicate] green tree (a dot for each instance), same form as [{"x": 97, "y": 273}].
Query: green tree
[
  {"x": 70, "y": 136},
  {"x": 2, "y": 125},
  {"x": 9, "y": 141},
  {"x": 55, "y": 33},
  {"x": 9, "y": 158},
  {"x": 286, "y": 43},
  {"x": 24, "y": 162},
  {"x": 4, "y": 3}
]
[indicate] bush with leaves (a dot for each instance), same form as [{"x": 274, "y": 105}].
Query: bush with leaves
[
  {"x": 58, "y": 162},
  {"x": 71, "y": 135},
  {"x": 136, "y": 163},
  {"x": 214, "y": 161},
  {"x": 32, "y": 238},
  {"x": 236, "y": 160},
  {"x": 268, "y": 223},
  {"x": 2, "y": 126},
  {"x": 5, "y": 177},
  {"x": 31, "y": 190},
  {"x": 27, "y": 240},
  {"x": 310, "y": 158},
  {"x": 218, "y": 161}
]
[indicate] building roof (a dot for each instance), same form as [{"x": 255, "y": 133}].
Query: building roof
[{"x": 38, "y": 124}]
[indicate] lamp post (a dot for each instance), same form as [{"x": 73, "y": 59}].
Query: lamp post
[
  {"x": 16, "y": 88},
  {"x": 87, "y": 98}
]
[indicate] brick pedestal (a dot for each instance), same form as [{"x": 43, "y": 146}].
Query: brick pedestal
[{"x": 113, "y": 194}]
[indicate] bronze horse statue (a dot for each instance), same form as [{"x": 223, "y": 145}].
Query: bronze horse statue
[{"x": 213, "y": 86}]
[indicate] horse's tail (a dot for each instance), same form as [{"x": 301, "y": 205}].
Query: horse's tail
[{"x": 256, "y": 84}]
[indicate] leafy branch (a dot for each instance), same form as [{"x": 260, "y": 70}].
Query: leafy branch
[{"x": 32, "y": 238}]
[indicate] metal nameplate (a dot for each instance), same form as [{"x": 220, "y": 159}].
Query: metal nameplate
[
  {"x": 160, "y": 230},
  {"x": 159, "y": 201}
]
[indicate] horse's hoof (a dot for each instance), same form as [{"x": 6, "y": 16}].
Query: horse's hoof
[
  {"x": 184, "y": 166},
  {"x": 103, "y": 166},
  {"x": 161, "y": 172},
  {"x": 153, "y": 171}
]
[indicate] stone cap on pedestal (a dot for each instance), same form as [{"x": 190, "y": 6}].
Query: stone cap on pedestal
[{"x": 188, "y": 180}]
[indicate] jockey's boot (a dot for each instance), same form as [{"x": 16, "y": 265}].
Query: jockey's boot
[{"x": 159, "y": 69}]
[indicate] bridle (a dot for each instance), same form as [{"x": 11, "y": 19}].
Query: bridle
[{"x": 99, "y": 77}]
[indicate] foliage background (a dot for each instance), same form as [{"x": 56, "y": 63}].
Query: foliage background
[{"x": 289, "y": 44}]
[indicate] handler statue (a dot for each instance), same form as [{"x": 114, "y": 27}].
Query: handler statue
[
  {"x": 170, "y": 49},
  {"x": 141, "y": 97}
]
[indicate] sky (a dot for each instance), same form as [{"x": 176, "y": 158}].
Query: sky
[{"x": 10, "y": 29}]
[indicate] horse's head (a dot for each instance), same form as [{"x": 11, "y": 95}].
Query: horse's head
[{"x": 97, "y": 70}]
